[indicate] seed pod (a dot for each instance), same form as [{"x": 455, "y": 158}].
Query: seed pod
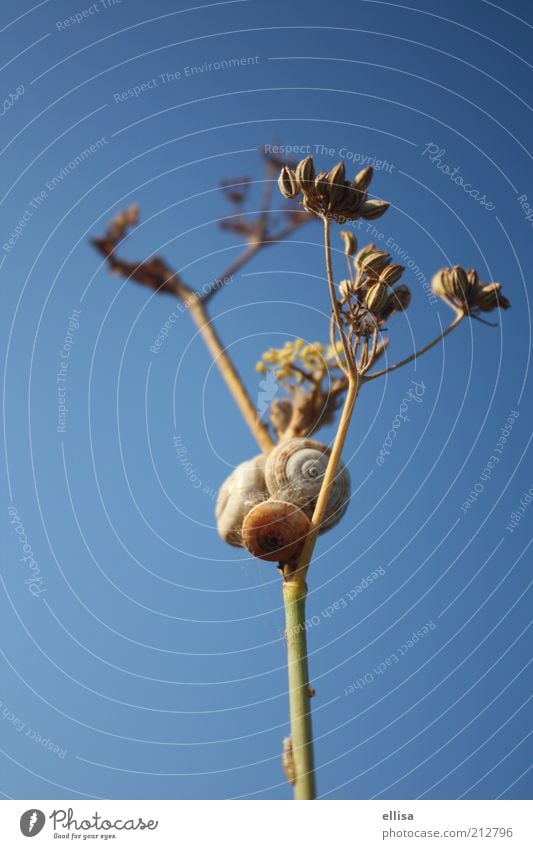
[
  {"x": 376, "y": 298},
  {"x": 363, "y": 179},
  {"x": 489, "y": 298},
  {"x": 275, "y": 530},
  {"x": 288, "y": 183},
  {"x": 374, "y": 261},
  {"x": 305, "y": 173},
  {"x": 346, "y": 289},
  {"x": 368, "y": 249},
  {"x": 373, "y": 209},
  {"x": 391, "y": 274},
  {"x": 350, "y": 242},
  {"x": 439, "y": 285},
  {"x": 400, "y": 297},
  {"x": 337, "y": 183},
  {"x": 473, "y": 278},
  {"x": 460, "y": 284}
]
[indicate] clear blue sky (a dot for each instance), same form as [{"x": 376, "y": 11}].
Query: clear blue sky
[{"x": 151, "y": 655}]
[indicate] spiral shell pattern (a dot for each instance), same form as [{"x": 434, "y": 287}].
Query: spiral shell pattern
[
  {"x": 241, "y": 491},
  {"x": 275, "y": 530},
  {"x": 294, "y": 472}
]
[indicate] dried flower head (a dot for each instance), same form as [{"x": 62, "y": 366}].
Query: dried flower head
[
  {"x": 328, "y": 194},
  {"x": 463, "y": 291},
  {"x": 367, "y": 299}
]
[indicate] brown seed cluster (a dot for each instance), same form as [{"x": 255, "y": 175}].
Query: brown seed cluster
[
  {"x": 369, "y": 297},
  {"x": 328, "y": 194},
  {"x": 463, "y": 291}
]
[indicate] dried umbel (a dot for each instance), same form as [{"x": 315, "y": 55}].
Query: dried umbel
[
  {"x": 464, "y": 292},
  {"x": 294, "y": 472},
  {"x": 275, "y": 530},
  {"x": 241, "y": 491},
  {"x": 328, "y": 194},
  {"x": 368, "y": 298}
]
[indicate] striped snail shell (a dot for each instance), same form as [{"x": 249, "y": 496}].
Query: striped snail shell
[
  {"x": 275, "y": 530},
  {"x": 294, "y": 472},
  {"x": 241, "y": 491}
]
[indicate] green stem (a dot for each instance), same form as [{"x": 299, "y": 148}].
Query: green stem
[{"x": 294, "y": 594}]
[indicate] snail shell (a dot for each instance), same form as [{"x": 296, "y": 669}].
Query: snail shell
[
  {"x": 241, "y": 491},
  {"x": 294, "y": 472},
  {"x": 275, "y": 530}
]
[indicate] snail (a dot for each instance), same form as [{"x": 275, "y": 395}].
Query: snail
[
  {"x": 275, "y": 530},
  {"x": 294, "y": 472},
  {"x": 266, "y": 503},
  {"x": 241, "y": 491}
]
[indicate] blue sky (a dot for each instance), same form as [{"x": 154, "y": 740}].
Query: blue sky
[{"x": 151, "y": 661}]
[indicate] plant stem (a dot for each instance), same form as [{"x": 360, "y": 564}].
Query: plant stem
[
  {"x": 294, "y": 595},
  {"x": 299, "y": 694},
  {"x": 335, "y": 305},
  {"x": 247, "y": 254},
  {"x": 329, "y": 477},
  {"x": 230, "y": 374},
  {"x": 458, "y": 318}
]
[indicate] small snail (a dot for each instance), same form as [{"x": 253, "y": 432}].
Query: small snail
[
  {"x": 241, "y": 491},
  {"x": 294, "y": 472},
  {"x": 275, "y": 530},
  {"x": 266, "y": 503}
]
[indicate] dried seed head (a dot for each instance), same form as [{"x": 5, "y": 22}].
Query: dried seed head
[
  {"x": 329, "y": 194},
  {"x": 463, "y": 291}
]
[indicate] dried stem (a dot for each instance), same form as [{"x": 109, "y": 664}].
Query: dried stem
[
  {"x": 457, "y": 320},
  {"x": 230, "y": 374},
  {"x": 349, "y": 367}
]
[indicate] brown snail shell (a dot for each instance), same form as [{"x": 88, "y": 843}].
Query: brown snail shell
[
  {"x": 241, "y": 491},
  {"x": 294, "y": 472},
  {"x": 275, "y": 530}
]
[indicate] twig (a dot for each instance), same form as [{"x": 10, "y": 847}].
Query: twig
[
  {"x": 457, "y": 320},
  {"x": 230, "y": 374},
  {"x": 247, "y": 254}
]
